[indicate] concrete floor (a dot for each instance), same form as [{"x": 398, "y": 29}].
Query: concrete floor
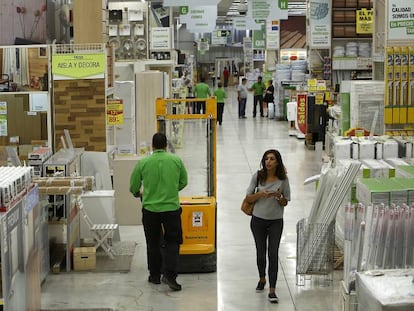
[{"x": 240, "y": 145}]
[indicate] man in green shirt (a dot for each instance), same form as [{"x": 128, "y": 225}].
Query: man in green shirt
[
  {"x": 201, "y": 90},
  {"x": 258, "y": 89},
  {"x": 220, "y": 94},
  {"x": 162, "y": 175}
]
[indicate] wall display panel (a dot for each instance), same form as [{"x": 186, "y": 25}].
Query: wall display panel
[{"x": 128, "y": 29}]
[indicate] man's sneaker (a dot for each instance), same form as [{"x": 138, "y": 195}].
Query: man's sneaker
[
  {"x": 260, "y": 286},
  {"x": 154, "y": 279},
  {"x": 273, "y": 298},
  {"x": 172, "y": 283}
]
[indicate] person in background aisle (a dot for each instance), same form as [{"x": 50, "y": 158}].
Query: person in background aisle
[
  {"x": 270, "y": 197},
  {"x": 162, "y": 175},
  {"x": 268, "y": 97},
  {"x": 242, "y": 98},
  {"x": 201, "y": 90},
  {"x": 220, "y": 94},
  {"x": 258, "y": 89},
  {"x": 226, "y": 74}
]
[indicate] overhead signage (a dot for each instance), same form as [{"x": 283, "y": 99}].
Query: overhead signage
[
  {"x": 400, "y": 20},
  {"x": 160, "y": 38},
  {"x": 320, "y": 24},
  {"x": 223, "y": 33},
  {"x": 272, "y": 35},
  {"x": 115, "y": 112},
  {"x": 259, "y": 39},
  {"x": 189, "y": 2},
  {"x": 199, "y": 18},
  {"x": 216, "y": 39},
  {"x": 254, "y": 24},
  {"x": 239, "y": 23},
  {"x": 267, "y": 9},
  {"x": 364, "y": 21},
  {"x": 78, "y": 66}
]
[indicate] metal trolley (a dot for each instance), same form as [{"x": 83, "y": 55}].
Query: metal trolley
[
  {"x": 191, "y": 134},
  {"x": 314, "y": 250}
]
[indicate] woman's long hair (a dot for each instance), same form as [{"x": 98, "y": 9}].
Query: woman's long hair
[{"x": 280, "y": 167}]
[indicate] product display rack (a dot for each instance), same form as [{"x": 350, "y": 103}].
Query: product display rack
[
  {"x": 20, "y": 279},
  {"x": 62, "y": 213}
]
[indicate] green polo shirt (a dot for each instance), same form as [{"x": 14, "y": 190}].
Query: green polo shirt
[
  {"x": 258, "y": 88},
  {"x": 220, "y": 94},
  {"x": 202, "y": 90},
  {"x": 162, "y": 176}
]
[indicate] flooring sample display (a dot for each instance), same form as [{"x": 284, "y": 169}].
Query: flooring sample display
[{"x": 127, "y": 207}]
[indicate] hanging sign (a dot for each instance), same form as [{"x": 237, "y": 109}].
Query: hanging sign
[
  {"x": 272, "y": 35},
  {"x": 364, "y": 21},
  {"x": 115, "y": 112},
  {"x": 267, "y": 9},
  {"x": 400, "y": 20},
  {"x": 78, "y": 66},
  {"x": 259, "y": 39},
  {"x": 199, "y": 18},
  {"x": 320, "y": 24},
  {"x": 254, "y": 24},
  {"x": 216, "y": 39},
  {"x": 223, "y": 33},
  {"x": 189, "y": 2},
  {"x": 239, "y": 23}
]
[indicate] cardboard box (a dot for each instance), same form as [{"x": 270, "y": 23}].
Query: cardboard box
[{"x": 84, "y": 258}]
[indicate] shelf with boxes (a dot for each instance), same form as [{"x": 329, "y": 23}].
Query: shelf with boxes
[{"x": 348, "y": 16}]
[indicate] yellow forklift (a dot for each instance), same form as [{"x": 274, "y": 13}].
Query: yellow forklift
[{"x": 190, "y": 127}]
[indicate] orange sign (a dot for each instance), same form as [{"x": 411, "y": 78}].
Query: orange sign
[
  {"x": 301, "y": 113},
  {"x": 115, "y": 112}
]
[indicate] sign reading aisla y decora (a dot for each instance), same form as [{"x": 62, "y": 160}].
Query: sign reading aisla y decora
[{"x": 78, "y": 66}]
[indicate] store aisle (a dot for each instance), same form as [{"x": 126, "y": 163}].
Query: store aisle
[{"x": 240, "y": 145}]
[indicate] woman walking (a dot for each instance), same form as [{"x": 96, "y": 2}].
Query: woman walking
[{"x": 271, "y": 195}]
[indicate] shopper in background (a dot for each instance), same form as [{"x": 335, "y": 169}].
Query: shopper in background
[
  {"x": 258, "y": 89},
  {"x": 268, "y": 97},
  {"x": 242, "y": 98},
  {"x": 271, "y": 196},
  {"x": 220, "y": 95},
  {"x": 201, "y": 90},
  {"x": 226, "y": 74},
  {"x": 162, "y": 175}
]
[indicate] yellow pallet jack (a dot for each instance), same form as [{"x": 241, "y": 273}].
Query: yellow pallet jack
[{"x": 186, "y": 131}]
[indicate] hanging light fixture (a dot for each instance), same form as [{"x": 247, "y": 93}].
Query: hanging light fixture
[{"x": 242, "y": 8}]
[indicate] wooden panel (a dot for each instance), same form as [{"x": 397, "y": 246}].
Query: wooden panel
[
  {"x": 294, "y": 27},
  {"x": 37, "y": 65},
  {"x": 127, "y": 207},
  {"x": 79, "y": 106},
  {"x": 19, "y": 123},
  {"x": 87, "y": 21},
  {"x": 149, "y": 86}
]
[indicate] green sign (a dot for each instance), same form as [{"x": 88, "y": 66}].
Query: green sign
[
  {"x": 283, "y": 4},
  {"x": 259, "y": 39},
  {"x": 223, "y": 33},
  {"x": 184, "y": 10},
  {"x": 79, "y": 66}
]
